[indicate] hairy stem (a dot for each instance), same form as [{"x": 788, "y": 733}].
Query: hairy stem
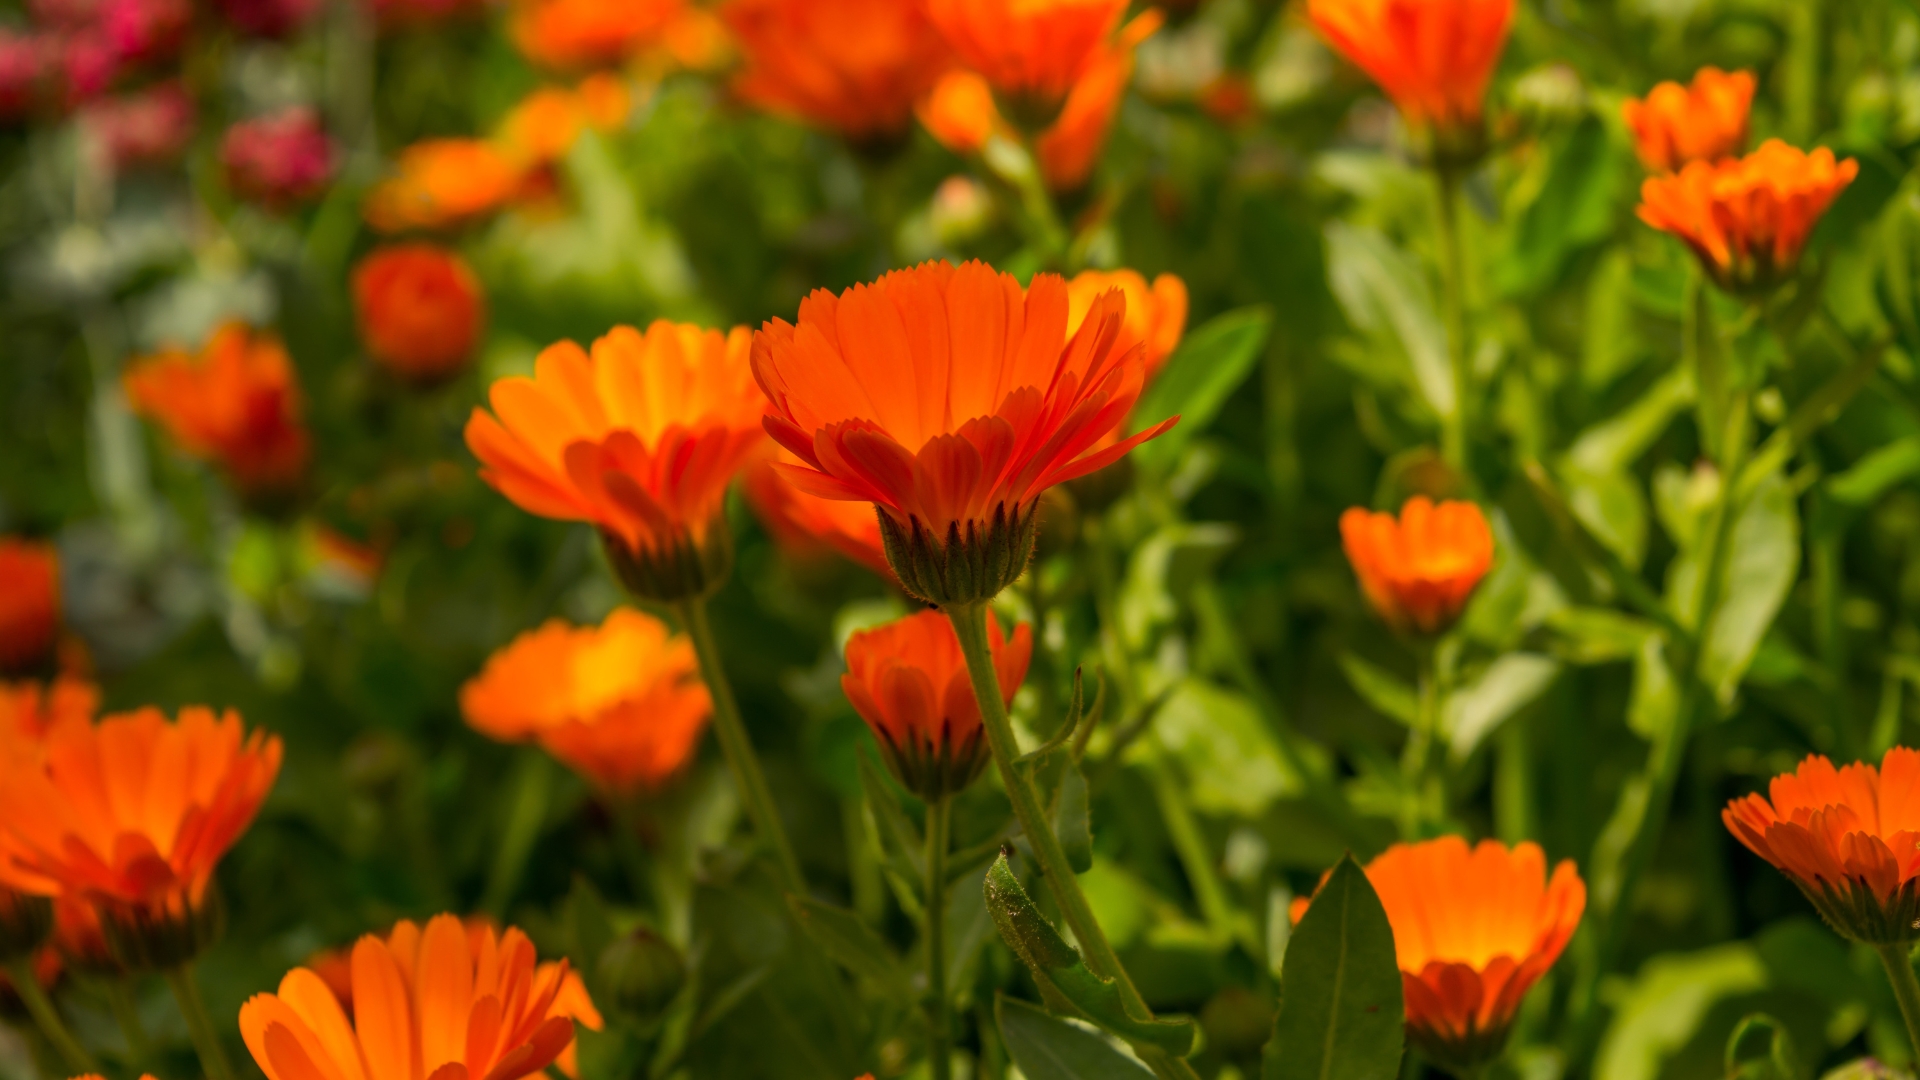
[
  {"x": 206, "y": 1037},
  {"x": 1906, "y": 989},
  {"x": 939, "y": 1025}
]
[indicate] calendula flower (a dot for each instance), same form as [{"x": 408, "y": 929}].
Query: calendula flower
[
  {"x": 1071, "y": 145},
  {"x": 959, "y": 112},
  {"x": 1434, "y": 58},
  {"x": 546, "y": 123},
  {"x": 949, "y": 397},
  {"x": 236, "y": 404},
  {"x": 1676, "y": 125},
  {"x": 908, "y": 680},
  {"x": 29, "y": 602},
  {"x": 26, "y": 919},
  {"x": 1420, "y": 569},
  {"x": 1473, "y": 930},
  {"x": 439, "y": 1002},
  {"x": 420, "y": 310},
  {"x": 588, "y": 33},
  {"x": 641, "y": 437},
  {"x": 1031, "y": 50},
  {"x": 81, "y": 939},
  {"x": 1748, "y": 219},
  {"x": 1847, "y": 837},
  {"x": 29, "y": 710},
  {"x": 132, "y": 814},
  {"x": 278, "y": 160},
  {"x": 804, "y": 523},
  {"x": 1156, "y": 313},
  {"x": 622, "y": 703},
  {"x": 855, "y": 66},
  {"x": 443, "y": 182}
]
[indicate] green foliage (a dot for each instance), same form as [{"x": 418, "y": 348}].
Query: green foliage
[{"x": 1341, "y": 1013}]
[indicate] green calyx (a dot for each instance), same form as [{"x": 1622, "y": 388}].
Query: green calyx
[
  {"x": 683, "y": 569},
  {"x": 970, "y": 564}
]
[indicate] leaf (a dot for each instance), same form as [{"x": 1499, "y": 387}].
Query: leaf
[
  {"x": 1199, "y": 377},
  {"x": 1380, "y": 688},
  {"x": 1057, "y": 965},
  {"x": 1071, "y": 821},
  {"x": 1050, "y": 1049},
  {"x": 1862, "y": 485},
  {"x": 1573, "y": 209},
  {"x": 1612, "y": 508},
  {"x": 1509, "y": 684},
  {"x": 1654, "y": 703},
  {"x": 1666, "y": 1001},
  {"x": 851, "y": 942},
  {"x": 1598, "y": 635},
  {"x": 1761, "y": 1048},
  {"x": 1386, "y": 296},
  {"x": 897, "y": 830},
  {"x": 968, "y": 925},
  {"x": 1614, "y": 444},
  {"x": 1763, "y": 556},
  {"x": 1341, "y": 1014},
  {"x": 1609, "y": 345},
  {"x": 1224, "y": 747},
  {"x": 1162, "y": 571}
]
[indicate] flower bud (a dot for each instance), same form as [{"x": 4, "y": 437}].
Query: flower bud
[{"x": 641, "y": 973}]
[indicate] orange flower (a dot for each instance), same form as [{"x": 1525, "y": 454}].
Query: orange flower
[
  {"x": 442, "y": 1003},
  {"x": 28, "y": 711},
  {"x": 132, "y": 814},
  {"x": 908, "y": 681},
  {"x": 1434, "y": 58},
  {"x": 81, "y": 939},
  {"x": 588, "y": 33},
  {"x": 236, "y": 403},
  {"x": 622, "y": 703},
  {"x": 959, "y": 112},
  {"x": 1473, "y": 930},
  {"x": 641, "y": 438},
  {"x": 855, "y": 66},
  {"x": 1847, "y": 837},
  {"x": 1748, "y": 219},
  {"x": 1070, "y": 147},
  {"x": 1419, "y": 571},
  {"x": 543, "y": 126},
  {"x": 420, "y": 310},
  {"x": 1032, "y": 49},
  {"x": 1156, "y": 314},
  {"x": 443, "y": 182},
  {"x": 1677, "y": 125},
  {"x": 29, "y": 602},
  {"x": 802, "y": 522},
  {"x": 950, "y": 398}
]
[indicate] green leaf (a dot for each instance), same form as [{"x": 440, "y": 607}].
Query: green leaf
[
  {"x": 1761, "y": 1048},
  {"x": 1224, "y": 747},
  {"x": 1050, "y": 1049},
  {"x": 1879, "y": 470},
  {"x": 1341, "y": 1015},
  {"x": 1612, "y": 508},
  {"x": 968, "y": 926},
  {"x": 1574, "y": 209},
  {"x": 1057, "y": 966},
  {"x": 897, "y": 830},
  {"x": 1071, "y": 820},
  {"x": 1197, "y": 380},
  {"x": 1614, "y": 444},
  {"x": 1380, "y": 688},
  {"x": 1657, "y": 1013},
  {"x": 1763, "y": 555},
  {"x": 1163, "y": 571},
  {"x": 851, "y": 942},
  {"x": 1509, "y": 684},
  {"x": 1385, "y": 295}
]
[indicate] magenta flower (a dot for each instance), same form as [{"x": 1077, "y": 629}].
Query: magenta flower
[{"x": 278, "y": 160}]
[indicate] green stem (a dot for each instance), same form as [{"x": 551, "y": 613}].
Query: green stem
[
  {"x": 27, "y": 985},
  {"x": 1197, "y": 860},
  {"x": 528, "y": 811},
  {"x": 738, "y": 749},
  {"x": 120, "y": 999},
  {"x": 206, "y": 1038},
  {"x": 1416, "y": 761},
  {"x": 1905, "y": 988},
  {"x": 970, "y": 626},
  {"x": 939, "y": 1025},
  {"x": 1453, "y": 281}
]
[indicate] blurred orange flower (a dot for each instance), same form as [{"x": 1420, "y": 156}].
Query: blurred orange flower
[
  {"x": 132, "y": 813},
  {"x": 441, "y": 1003},
  {"x": 641, "y": 437},
  {"x": 420, "y": 310},
  {"x": 546, "y": 123},
  {"x": 950, "y": 397},
  {"x": 1419, "y": 570},
  {"x": 236, "y": 403},
  {"x": 959, "y": 112},
  {"x": 1031, "y": 49},
  {"x": 802, "y": 522},
  {"x": 588, "y": 33},
  {"x": 80, "y": 939},
  {"x": 1156, "y": 314},
  {"x": 908, "y": 681},
  {"x": 1069, "y": 148},
  {"x": 1748, "y": 219},
  {"x": 1434, "y": 58},
  {"x": 622, "y": 703},
  {"x": 29, "y": 710},
  {"x": 443, "y": 182},
  {"x": 29, "y": 602},
  {"x": 856, "y": 66},
  {"x": 1706, "y": 121},
  {"x": 1847, "y": 837}
]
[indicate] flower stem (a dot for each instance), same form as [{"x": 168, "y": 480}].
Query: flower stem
[
  {"x": 528, "y": 810},
  {"x": 27, "y": 985},
  {"x": 1416, "y": 763},
  {"x": 939, "y": 1029},
  {"x": 127, "y": 1014},
  {"x": 732, "y": 733},
  {"x": 206, "y": 1039},
  {"x": 1453, "y": 282},
  {"x": 1906, "y": 989},
  {"x": 970, "y": 626}
]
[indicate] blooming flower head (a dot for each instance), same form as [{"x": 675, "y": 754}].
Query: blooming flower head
[
  {"x": 803, "y": 523},
  {"x": 1473, "y": 930},
  {"x": 588, "y": 33},
  {"x": 1156, "y": 313},
  {"x": 27, "y": 62},
  {"x": 1748, "y": 219},
  {"x": 1031, "y": 50},
  {"x": 949, "y": 397},
  {"x": 440, "y": 1002},
  {"x": 278, "y": 160},
  {"x": 145, "y": 31},
  {"x": 1420, "y": 569},
  {"x": 622, "y": 703},
  {"x": 1848, "y": 837},
  {"x": 1071, "y": 145},
  {"x": 640, "y": 437},
  {"x": 29, "y": 602},
  {"x": 855, "y": 66},
  {"x": 959, "y": 112},
  {"x": 236, "y": 404},
  {"x": 441, "y": 183},
  {"x": 908, "y": 680},
  {"x": 133, "y": 813},
  {"x": 147, "y": 127},
  {"x": 420, "y": 310},
  {"x": 1434, "y": 58},
  {"x": 1676, "y": 125}
]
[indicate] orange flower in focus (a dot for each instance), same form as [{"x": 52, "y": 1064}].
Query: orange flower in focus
[
  {"x": 443, "y": 182},
  {"x": 1156, "y": 314},
  {"x": 959, "y": 112},
  {"x": 28, "y": 711},
  {"x": 908, "y": 681},
  {"x": 420, "y": 310},
  {"x": 803, "y": 522},
  {"x": 1434, "y": 58},
  {"x": 236, "y": 403},
  {"x": 622, "y": 703},
  {"x": 1676, "y": 125},
  {"x": 1069, "y": 148},
  {"x": 1419, "y": 570},
  {"x": 856, "y": 66},
  {"x": 29, "y": 602},
  {"x": 132, "y": 813},
  {"x": 442, "y": 1003},
  {"x": 1031, "y": 49},
  {"x": 1747, "y": 220},
  {"x": 588, "y": 33},
  {"x": 951, "y": 398},
  {"x": 641, "y": 437},
  {"x": 1473, "y": 930},
  {"x": 1848, "y": 837}
]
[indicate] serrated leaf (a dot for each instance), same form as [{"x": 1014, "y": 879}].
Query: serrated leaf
[
  {"x": 1341, "y": 1014},
  {"x": 850, "y": 942},
  {"x": 1198, "y": 379},
  {"x": 1050, "y": 1049}
]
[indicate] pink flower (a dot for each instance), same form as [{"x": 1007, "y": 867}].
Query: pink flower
[
  {"x": 267, "y": 18},
  {"x": 88, "y": 65},
  {"x": 146, "y": 30},
  {"x": 24, "y": 63},
  {"x": 280, "y": 159},
  {"x": 142, "y": 128}
]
